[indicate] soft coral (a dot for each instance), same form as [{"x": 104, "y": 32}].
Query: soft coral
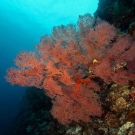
[{"x": 68, "y": 61}]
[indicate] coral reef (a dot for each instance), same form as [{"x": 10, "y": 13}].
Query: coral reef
[{"x": 88, "y": 71}]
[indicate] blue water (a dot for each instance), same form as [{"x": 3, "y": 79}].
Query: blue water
[{"x": 22, "y": 23}]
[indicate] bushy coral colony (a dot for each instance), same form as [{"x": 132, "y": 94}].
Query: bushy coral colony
[{"x": 71, "y": 63}]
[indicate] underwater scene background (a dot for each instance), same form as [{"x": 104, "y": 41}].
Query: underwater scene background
[{"x": 74, "y": 66}]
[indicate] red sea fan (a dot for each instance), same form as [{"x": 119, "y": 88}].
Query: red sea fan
[
  {"x": 67, "y": 62},
  {"x": 117, "y": 65},
  {"x": 79, "y": 106}
]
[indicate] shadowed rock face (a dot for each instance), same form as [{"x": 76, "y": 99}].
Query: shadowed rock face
[
  {"x": 104, "y": 3},
  {"x": 120, "y": 13}
]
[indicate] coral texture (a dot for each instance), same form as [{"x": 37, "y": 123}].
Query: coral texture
[{"x": 68, "y": 63}]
